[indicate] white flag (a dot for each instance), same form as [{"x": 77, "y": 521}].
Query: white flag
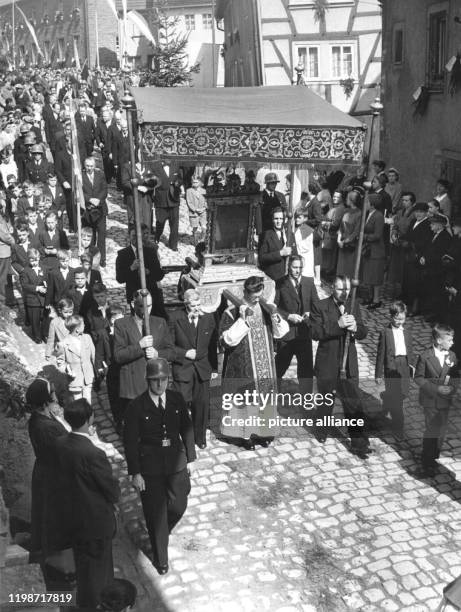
[
  {"x": 31, "y": 29},
  {"x": 141, "y": 24},
  {"x": 113, "y": 8}
]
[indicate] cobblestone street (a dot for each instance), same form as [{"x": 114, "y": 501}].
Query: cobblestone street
[{"x": 300, "y": 525}]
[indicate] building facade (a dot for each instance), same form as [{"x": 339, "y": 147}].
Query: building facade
[
  {"x": 89, "y": 29},
  {"x": 422, "y": 93},
  {"x": 333, "y": 45}
]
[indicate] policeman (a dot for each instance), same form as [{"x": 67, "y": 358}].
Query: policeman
[{"x": 159, "y": 443}]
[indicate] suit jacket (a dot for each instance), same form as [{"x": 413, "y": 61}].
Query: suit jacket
[
  {"x": 289, "y": 301},
  {"x": 385, "y": 356},
  {"x": 96, "y": 190},
  {"x": 29, "y": 281},
  {"x": 202, "y": 338},
  {"x": 102, "y": 135},
  {"x": 123, "y": 274},
  {"x": 131, "y": 356},
  {"x": 24, "y": 204},
  {"x": 439, "y": 246},
  {"x": 63, "y": 164},
  {"x": 324, "y": 325},
  {"x": 264, "y": 212},
  {"x": 269, "y": 258},
  {"x": 120, "y": 148},
  {"x": 90, "y": 487},
  {"x": 58, "y": 286},
  {"x": 419, "y": 237},
  {"x": 58, "y": 199},
  {"x": 77, "y": 298},
  {"x": 374, "y": 228},
  {"x": 19, "y": 257},
  {"x": 85, "y": 127},
  {"x": 59, "y": 241},
  {"x": 429, "y": 375},
  {"x": 143, "y": 433}
]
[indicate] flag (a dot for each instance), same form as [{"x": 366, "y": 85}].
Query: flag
[
  {"x": 77, "y": 181},
  {"x": 85, "y": 71},
  {"x": 125, "y": 8},
  {"x": 113, "y": 8},
  {"x": 141, "y": 24},
  {"x": 76, "y": 57},
  {"x": 31, "y": 29}
]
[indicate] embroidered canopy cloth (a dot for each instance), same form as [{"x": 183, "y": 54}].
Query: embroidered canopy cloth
[{"x": 291, "y": 125}]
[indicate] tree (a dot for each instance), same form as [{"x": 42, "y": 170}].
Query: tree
[{"x": 170, "y": 62}]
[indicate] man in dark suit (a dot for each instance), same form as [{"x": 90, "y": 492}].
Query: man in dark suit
[
  {"x": 437, "y": 377},
  {"x": 120, "y": 150},
  {"x": 273, "y": 248},
  {"x": 127, "y": 271},
  {"x": 195, "y": 340},
  {"x": 331, "y": 320},
  {"x": 394, "y": 358},
  {"x": 91, "y": 490},
  {"x": 271, "y": 199},
  {"x": 159, "y": 445},
  {"x": 103, "y": 142},
  {"x": 166, "y": 202},
  {"x": 132, "y": 347},
  {"x": 85, "y": 127},
  {"x": 295, "y": 297},
  {"x": 95, "y": 193},
  {"x": 63, "y": 167}
]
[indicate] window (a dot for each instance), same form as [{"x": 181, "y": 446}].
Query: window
[
  {"x": 437, "y": 46},
  {"x": 207, "y": 20},
  {"x": 398, "y": 46},
  {"x": 190, "y": 22},
  {"x": 309, "y": 58},
  {"x": 341, "y": 67}
]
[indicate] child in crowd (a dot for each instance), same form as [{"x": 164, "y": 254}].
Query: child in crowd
[
  {"x": 60, "y": 280},
  {"x": 33, "y": 283},
  {"x": 34, "y": 227},
  {"x": 58, "y": 330},
  {"x": 89, "y": 249},
  {"x": 92, "y": 276},
  {"x": 106, "y": 364},
  {"x": 78, "y": 292},
  {"x": 78, "y": 358},
  {"x": 51, "y": 240},
  {"x": 395, "y": 359},
  {"x": 196, "y": 203},
  {"x": 437, "y": 377}
]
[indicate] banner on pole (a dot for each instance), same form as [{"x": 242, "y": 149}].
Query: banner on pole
[
  {"x": 31, "y": 29},
  {"x": 141, "y": 24}
]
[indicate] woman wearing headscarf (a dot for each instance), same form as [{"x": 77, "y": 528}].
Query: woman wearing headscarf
[{"x": 48, "y": 516}]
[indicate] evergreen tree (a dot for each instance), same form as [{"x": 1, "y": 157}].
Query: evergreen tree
[{"x": 170, "y": 66}]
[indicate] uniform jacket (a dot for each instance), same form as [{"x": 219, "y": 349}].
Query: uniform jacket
[
  {"x": 143, "y": 433},
  {"x": 270, "y": 260},
  {"x": 324, "y": 325},
  {"x": 429, "y": 375},
  {"x": 289, "y": 301},
  {"x": 385, "y": 356},
  {"x": 90, "y": 487},
  {"x": 37, "y": 172},
  {"x": 123, "y": 274},
  {"x": 186, "y": 336},
  {"x": 131, "y": 356}
]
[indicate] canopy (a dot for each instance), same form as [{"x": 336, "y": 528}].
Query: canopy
[{"x": 290, "y": 125}]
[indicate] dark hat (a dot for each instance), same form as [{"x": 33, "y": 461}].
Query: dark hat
[
  {"x": 39, "y": 392},
  {"x": 439, "y": 219},
  {"x": 29, "y": 139},
  {"x": 24, "y": 128},
  {"x": 421, "y": 207},
  {"x": 36, "y": 149},
  {"x": 157, "y": 368},
  {"x": 271, "y": 177}
]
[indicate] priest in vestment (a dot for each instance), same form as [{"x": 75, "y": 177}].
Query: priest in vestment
[{"x": 247, "y": 335}]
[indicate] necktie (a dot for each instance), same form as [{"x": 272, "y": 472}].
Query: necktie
[
  {"x": 342, "y": 309},
  {"x": 281, "y": 238},
  {"x": 160, "y": 404}
]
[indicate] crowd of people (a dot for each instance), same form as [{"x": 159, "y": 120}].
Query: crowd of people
[{"x": 158, "y": 364}]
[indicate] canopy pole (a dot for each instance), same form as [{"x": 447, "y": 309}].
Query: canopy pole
[
  {"x": 290, "y": 230},
  {"x": 355, "y": 283},
  {"x": 128, "y": 102}
]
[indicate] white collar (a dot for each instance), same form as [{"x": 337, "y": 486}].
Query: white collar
[
  {"x": 85, "y": 435},
  {"x": 154, "y": 398}
]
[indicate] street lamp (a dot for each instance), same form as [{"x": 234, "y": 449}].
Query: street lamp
[{"x": 130, "y": 108}]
